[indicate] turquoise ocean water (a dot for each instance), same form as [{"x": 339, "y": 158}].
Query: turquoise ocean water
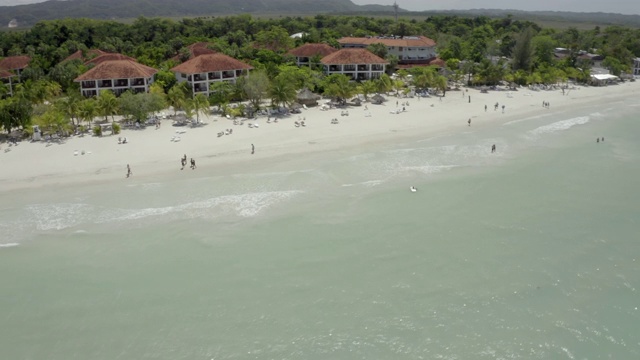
[{"x": 529, "y": 253}]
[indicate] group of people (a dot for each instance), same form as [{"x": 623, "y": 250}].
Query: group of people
[
  {"x": 122, "y": 141},
  {"x": 183, "y": 162},
  {"x": 600, "y": 139}
]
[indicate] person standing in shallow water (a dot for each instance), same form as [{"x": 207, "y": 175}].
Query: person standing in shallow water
[
  {"x": 469, "y": 121},
  {"x": 253, "y": 149},
  {"x": 493, "y": 148},
  {"x": 129, "y": 173}
]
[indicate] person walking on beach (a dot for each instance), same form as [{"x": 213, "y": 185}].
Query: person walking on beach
[
  {"x": 503, "y": 109},
  {"x": 253, "y": 149},
  {"x": 193, "y": 163},
  {"x": 485, "y": 108},
  {"x": 493, "y": 148},
  {"x": 129, "y": 173},
  {"x": 469, "y": 121}
]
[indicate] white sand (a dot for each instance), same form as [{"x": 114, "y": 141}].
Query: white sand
[{"x": 151, "y": 153}]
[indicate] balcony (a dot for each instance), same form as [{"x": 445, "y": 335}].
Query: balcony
[
  {"x": 349, "y": 68},
  {"x": 363, "y": 67},
  {"x": 122, "y": 82},
  {"x": 377, "y": 67},
  {"x": 199, "y": 77},
  {"x": 334, "y": 68},
  {"x": 105, "y": 84},
  {"x": 137, "y": 82},
  {"x": 88, "y": 84},
  {"x": 89, "y": 93},
  {"x": 228, "y": 74},
  {"x": 214, "y": 75}
]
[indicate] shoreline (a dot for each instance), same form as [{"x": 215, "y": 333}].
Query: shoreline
[{"x": 152, "y": 154}]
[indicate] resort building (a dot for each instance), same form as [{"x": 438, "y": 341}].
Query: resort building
[
  {"x": 107, "y": 57},
  {"x": 203, "y": 71},
  {"x": 9, "y": 79},
  {"x": 418, "y": 50},
  {"x": 117, "y": 76},
  {"x": 304, "y": 54},
  {"x": 357, "y": 64},
  {"x": 15, "y": 64},
  {"x": 636, "y": 66},
  {"x": 10, "y": 70}
]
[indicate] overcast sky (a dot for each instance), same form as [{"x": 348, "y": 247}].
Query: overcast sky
[{"x": 615, "y": 6}]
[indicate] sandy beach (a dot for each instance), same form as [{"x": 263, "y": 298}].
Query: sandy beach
[{"x": 154, "y": 152}]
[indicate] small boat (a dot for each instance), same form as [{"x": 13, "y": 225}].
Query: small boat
[{"x": 413, "y": 189}]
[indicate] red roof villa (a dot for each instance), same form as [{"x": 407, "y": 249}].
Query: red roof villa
[
  {"x": 117, "y": 76},
  {"x": 10, "y": 69},
  {"x": 107, "y": 57},
  {"x": 15, "y": 63},
  {"x": 204, "y": 70},
  {"x": 306, "y": 52},
  {"x": 7, "y": 77},
  {"x": 357, "y": 64},
  {"x": 417, "y": 50}
]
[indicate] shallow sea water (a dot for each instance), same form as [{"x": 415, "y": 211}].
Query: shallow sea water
[{"x": 529, "y": 253}]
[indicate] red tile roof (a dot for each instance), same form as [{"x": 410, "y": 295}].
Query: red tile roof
[
  {"x": 4, "y": 74},
  {"x": 108, "y": 57},
  {"x": 78, "y": 55},
  {"x": 352, "y": 57},
  {"x": 195, "y": 50},
  {"x": 209, "y": 63},
  {"x": 14, "y": 62},
  {"x": 432, "y": 62},
  {"x": 407, "y": 41},
  {"x": 310, "y": 50},
  {"x": 117, "y": 69}
]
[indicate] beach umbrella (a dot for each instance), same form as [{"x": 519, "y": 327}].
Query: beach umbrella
[
  {"x": 307, "y": 97},
  {"x": 377, "y": 99}
]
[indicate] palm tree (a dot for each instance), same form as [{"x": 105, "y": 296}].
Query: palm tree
[
  {"x": 440, "y": 83},
  {"x": 383, "y": 83},
  {"x": 87, "y": 110},
  {"x": 366, "y": 88},
  {"x": 220, "y": 93},
  {"x": 69, "y": 106},
  {"x": 282, "y": 92},
  {"x": 107, "y": 104},
  {"x": 176, "y": 98},
  {"x": 199, "y": 104}
]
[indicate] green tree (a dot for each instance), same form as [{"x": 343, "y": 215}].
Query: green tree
[
  {"x": 339, "y": 87},
  {"x": 256, "y": 87},
  {"x": 176, "y": 98},
  {"x": 107, "y": 104},
  {"x": 522, "y": 52},
  {"x": 220, "y": 94},
  {"x": 15, "y": 113},
  {"x": 200, "y": 105},
  {"x": 282, "y": 91},
  {"x": 88, "y": 110},
  {"x": 379, "y": 50}
]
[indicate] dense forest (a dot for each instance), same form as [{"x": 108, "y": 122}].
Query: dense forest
[
  {"x": 479, "y": 51},
  {"x": 28, "y": 15}
]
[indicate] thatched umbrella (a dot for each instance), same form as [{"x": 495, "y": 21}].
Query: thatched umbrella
[
  {"x": 306, "y": 97},
  {"x": 377, "y": 99}
]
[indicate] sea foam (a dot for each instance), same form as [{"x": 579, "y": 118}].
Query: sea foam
[{"x": 560, "y": 125}]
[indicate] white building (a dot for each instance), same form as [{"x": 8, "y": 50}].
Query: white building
[
  {"x": 357, "y": 64},
  {"x": 636, "y": 66},
  {"x": 117, "y": 76},
  {"x": 203, "y": 71},
  {"x": 408, "y": 49}
]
